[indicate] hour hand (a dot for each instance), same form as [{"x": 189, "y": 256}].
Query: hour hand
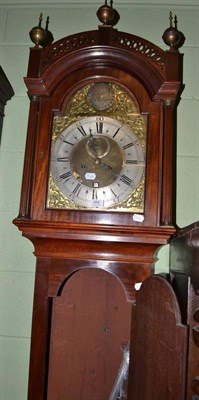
[{"x": 91, "y": 138}]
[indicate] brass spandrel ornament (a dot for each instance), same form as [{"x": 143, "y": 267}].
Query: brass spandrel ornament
[
  {"x": 56, "y": 199},
  {"x": 98, "y": 151}
]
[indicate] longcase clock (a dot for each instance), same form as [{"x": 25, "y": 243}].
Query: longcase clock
[{"x": 98, "y": 197}]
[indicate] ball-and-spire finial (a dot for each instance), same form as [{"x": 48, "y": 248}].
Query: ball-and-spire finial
[
  {"x": 40, "y": 36},
  {"x": 107, "y": 14},
  {"x": 172, "y": 36}
]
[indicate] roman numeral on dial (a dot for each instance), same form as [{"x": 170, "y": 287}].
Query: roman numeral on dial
[
  {"x": 77, "y": 189},
  {"x": 62, "y": 159},
  {"x": 128, "y": 145},
  {"x": 66, "y": 175},
  {"x": 99, "y": 126},
  {"x": 125, "y": 179},
  {"x": 81, "y": 130}
]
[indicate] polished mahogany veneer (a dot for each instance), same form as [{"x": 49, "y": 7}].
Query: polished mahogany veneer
[{"x": 88, "y": 261}]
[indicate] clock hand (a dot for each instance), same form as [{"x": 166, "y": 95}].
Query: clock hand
[
  {"x": 91, "y": 136},
  {"x": 94, "y": 147},
  {"x": 91, "y": 142}
]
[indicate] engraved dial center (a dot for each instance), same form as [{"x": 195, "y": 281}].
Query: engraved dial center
[{"x": 96, "y": 161}]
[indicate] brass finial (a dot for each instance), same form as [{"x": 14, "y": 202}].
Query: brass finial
[
  {"x": 49, "y": 36},
  {"x": 107, "y": 14},
  {"x": 176, "y": 22},
  {"x": 172, "y": 36},
  {"x": 39, "y": 36},
  {"x": 171, "y": 19},
  {"x": 47, "y": 22}
]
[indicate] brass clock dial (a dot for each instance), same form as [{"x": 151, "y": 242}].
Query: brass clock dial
[{"x": 97, "y": 162}]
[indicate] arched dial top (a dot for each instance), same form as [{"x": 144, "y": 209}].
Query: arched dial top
[{"x": 97, "y": 162}]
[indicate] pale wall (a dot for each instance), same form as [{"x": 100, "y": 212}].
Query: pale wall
[{"x": 17, "y": 261}]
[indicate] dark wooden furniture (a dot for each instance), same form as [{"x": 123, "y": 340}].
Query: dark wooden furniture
[
  {"x": 89, "y": 261},
  {"x": 165, "y": 338},
  {"x": 159, "y": 344},
  {"x": 184, "y": 266},
  {"x": 6, "y": 92}
]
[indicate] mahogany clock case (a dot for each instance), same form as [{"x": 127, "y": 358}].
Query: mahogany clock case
[
  {"x": 79, "y": 250},
  {"x": 148, "y": 73}
]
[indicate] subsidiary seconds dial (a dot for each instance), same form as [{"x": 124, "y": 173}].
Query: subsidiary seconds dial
[{"x": 97, "y": 162}]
